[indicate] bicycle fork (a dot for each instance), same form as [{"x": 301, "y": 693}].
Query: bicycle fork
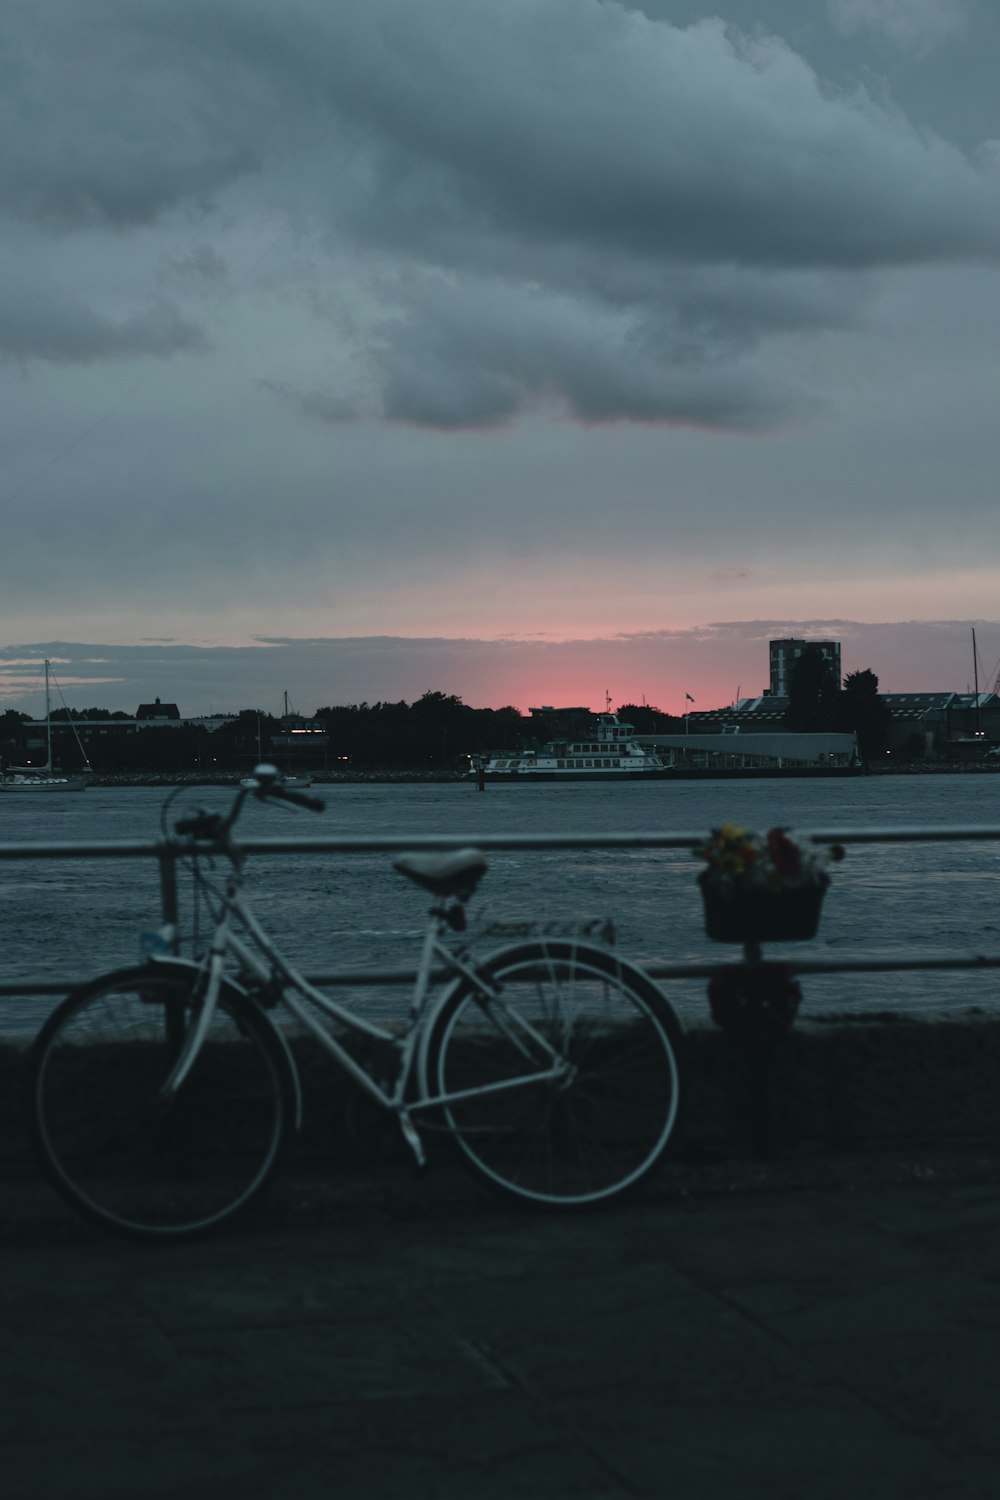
[{"x": 197, "y": 1031}]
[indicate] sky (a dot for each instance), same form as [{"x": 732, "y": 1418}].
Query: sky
[{"x": 532, "y": 352}]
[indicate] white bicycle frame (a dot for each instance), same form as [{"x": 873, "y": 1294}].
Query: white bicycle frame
[{"x": 261, "y": 960}]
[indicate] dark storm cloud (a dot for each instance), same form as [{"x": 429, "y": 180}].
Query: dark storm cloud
[
  {"x": 556, "y": 203},
  {"x": 477, "y": 353},
  {"x": 43, "y": 322},
  {"x": 916, "y": 26},
  {"x": 102, "y": 128}
]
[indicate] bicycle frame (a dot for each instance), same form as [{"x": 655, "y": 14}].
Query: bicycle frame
[{"x": 262, "y": 961}]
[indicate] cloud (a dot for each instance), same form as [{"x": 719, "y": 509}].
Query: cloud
[
  {"x": 479, "y": 354},
  {"x": 323, "y": 406},
  {"x": 102, "y": 128},
  {"x": 201, "y": 266},
  {"x": 59, "y": 312},
  {"x": 915, "y": 26},
  {"x": 40, "y": 321},
  {"x": 556, "y": 204},
  {"x": 576, "y": 124},
  {"x": 732, "y": 574}
]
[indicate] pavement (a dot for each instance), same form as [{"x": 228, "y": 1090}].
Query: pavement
[{"x": 816, "y": 1327}]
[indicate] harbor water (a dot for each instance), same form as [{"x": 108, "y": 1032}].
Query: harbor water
[{"x": 73, "y": 919}]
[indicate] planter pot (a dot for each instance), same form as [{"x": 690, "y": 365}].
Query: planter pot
[
  {"x": 735, "y": 916},
  {"x": 756, "y": 1005}
]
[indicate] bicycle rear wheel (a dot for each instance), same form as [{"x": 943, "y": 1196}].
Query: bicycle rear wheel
[
  {"x": 570, "y": 1078},
  {"x": 121, "y": 1152}
]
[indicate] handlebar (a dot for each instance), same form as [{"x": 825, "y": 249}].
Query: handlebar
[{"x": 265, "y": 785}]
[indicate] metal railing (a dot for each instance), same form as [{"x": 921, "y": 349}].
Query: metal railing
[{"x": 168, "y": 852}]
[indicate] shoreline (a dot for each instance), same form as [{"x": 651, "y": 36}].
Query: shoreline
[{"x": 383, "y": 776}]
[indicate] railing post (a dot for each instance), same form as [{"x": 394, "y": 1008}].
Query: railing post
[{"x": 169, "y": 904}]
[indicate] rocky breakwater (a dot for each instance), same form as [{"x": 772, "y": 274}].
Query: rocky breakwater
[{"x": 232, "y": 778}]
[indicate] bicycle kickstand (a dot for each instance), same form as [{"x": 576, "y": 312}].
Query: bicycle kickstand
[{"x": 412, "y": 1137}]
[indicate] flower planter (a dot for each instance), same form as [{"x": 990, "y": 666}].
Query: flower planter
[
  {"x": 733, "y": 915},
  {"x": 756, "y": 1005}
]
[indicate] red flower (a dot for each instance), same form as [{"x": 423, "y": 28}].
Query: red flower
[{"x": 784, "y": 854}]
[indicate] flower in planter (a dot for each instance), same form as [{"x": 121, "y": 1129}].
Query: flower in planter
[{"x": 780, "y": 860}]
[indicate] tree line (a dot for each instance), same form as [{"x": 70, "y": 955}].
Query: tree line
[
  {"x": 435, "y": 732},
  {"x": 818, "y": 702}
]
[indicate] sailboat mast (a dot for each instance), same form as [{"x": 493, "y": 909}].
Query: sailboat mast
[
  {"x": 975, "y": 677},
  {"x": 48, "y": 721}
]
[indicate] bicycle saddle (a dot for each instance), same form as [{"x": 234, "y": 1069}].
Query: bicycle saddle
[{"x": 455, "y": 874}]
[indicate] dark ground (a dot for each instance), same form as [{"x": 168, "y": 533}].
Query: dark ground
[{"x": 821, "y": 1325}]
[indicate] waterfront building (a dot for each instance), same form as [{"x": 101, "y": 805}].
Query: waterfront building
[{"x": 785, "y": 653}]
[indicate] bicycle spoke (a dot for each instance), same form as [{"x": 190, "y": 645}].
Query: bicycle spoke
[
  {"x": 596, "y": 1126},
  {"x": 128, "y": 1155}
]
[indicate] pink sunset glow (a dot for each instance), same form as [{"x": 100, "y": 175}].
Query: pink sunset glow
[{"x": 712, "y": 663}]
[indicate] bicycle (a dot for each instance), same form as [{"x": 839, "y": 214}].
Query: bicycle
[{"x": 160, "y": 1097}]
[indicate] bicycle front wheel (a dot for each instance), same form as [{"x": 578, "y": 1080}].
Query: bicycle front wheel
[
  {"x": 564, "y": 1088},
  {"x": 120, "y": 1151}
]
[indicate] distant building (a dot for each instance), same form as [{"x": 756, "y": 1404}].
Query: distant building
[
  {"x": 763, "y": 715},
  {"x": 766, "y": 749},
  {"x": 957, "y": 726},
  {"x": 785, "y": 653},
  {"x": 157, "y": 710},
  {"x": 953, "y": 726}
]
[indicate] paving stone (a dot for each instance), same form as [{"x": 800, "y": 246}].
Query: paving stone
[
  {"x": 639, "y": 1328},
  {"x": 495, "y": 1445},
  {"x": 926, "y": 1209},
  {"x": 825, "y": 1447},
  {"x": 282, "y": 1367},
  {"x": 943, "y": 1385},
  {"x": 103, "y": 1407},
  {"x": 528, "y": 1244},
  {"x": 941, "y": 1302},
  {"x": 270, "y": 1295},
  {"x": 150, "y": 1460},
  {"x": 794, "y": 1344},
  {"x": 91, "y": 1375},
  {"x": 821, "y": 1245}
]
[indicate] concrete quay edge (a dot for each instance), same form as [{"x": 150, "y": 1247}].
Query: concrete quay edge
[{"x": 834, "y": 1083}]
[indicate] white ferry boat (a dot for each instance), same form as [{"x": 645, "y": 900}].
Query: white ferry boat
[{"x": 613, "y": 754}]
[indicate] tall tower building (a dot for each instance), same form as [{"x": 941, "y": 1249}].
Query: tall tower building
[{"x": 784, "y": 655}]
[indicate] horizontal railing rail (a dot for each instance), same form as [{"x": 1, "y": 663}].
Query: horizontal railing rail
[{"x": 167, "y": 852}]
